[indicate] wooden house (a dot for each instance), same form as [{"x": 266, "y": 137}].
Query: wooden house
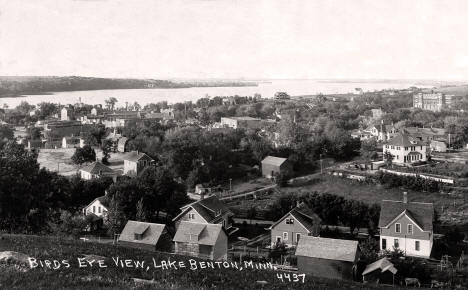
[
  {"x": 147, "y": 236},
  {"x": 135, "y": 162},
  {"x": 96, "y": 170},
  {"x": 407, "y": 226},
  {"x": 208, "y": 210},
  {"x": 207, "y": 241},
  {"x": 300, "y": 221}
]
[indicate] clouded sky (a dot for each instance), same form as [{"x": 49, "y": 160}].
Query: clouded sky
[{"x": 233, "y": 39}]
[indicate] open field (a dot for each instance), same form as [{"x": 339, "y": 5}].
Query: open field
[
  {"x": 450, "y": 208},
  {"x": 116, "y": 277},
  {"x": 59, "y": 160}
]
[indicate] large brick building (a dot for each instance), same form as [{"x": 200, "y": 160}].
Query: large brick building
[{"x": 432, "y": 101}]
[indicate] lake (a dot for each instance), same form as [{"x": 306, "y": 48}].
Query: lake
[{"x": 266, "y": 89}]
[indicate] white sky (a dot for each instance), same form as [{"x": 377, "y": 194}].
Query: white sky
[{"x": 233, "y": 39}]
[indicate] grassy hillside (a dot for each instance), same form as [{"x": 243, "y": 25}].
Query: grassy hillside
[{"x": 114, "y": 277}]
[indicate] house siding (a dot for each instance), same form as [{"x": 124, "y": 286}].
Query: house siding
[
  {"x": 97, "y": 204},
  {"x": 400, "y": 154},
  {"x": 331, "y": 269},
  {"x": 197, "y": 218},
  {"x": 406, "y": 240},
  {"x": 269, "y": 170},
  {"x": 221, "y": 247},
  {"x": 292, "y": 230}
]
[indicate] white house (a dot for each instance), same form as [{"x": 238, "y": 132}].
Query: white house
[
  {"x": 405, "y": 149},
  {"x": 407, "y": 226},
  {"x": 98, "y": 207},
  {"x": 96, "y": 170}
]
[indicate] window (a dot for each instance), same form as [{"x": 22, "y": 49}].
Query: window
[
  {"x": 99, "y": 209},
  {"x": 191, "y": 216},
  {"x": 396, "y": 243},
  {"x": 397, "y": 228},
  {"x": 289, "y": 221},
  {"x": 410, "y": 229},
  {"x": 138, "y": 236},
  {"x": 285, "y": 236},
  {"x": 384, "y": 244},
  {"x": 94, "y": 209},
  {"x": 298, "y": 236},
  {"x": 417, "y": 245}
]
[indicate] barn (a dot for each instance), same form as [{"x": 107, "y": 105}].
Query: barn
[
  {"x": 272, "y": 166},
  {"x": 328, "y": 258}
]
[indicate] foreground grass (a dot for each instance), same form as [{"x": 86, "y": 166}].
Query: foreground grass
[{"x": 114, "y": 277}]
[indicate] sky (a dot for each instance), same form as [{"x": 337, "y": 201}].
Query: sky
[{"x": 249, "y": 39}]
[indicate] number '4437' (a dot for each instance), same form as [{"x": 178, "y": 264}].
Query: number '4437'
[{"x": 287, "y": 277}]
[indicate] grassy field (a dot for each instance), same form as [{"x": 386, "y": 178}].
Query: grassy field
[
  {"x": 60, "y": 160},
  {"x": 113, "y": 277},
  {"x": 451, "y": 208}
]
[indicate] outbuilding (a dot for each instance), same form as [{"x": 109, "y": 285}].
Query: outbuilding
[
  {"x": 328, "y": 258},
  {"x": 273, "y": 166}
]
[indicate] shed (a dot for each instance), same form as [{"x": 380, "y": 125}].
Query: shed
[
  {"x": 147, "y": 236},
  {"x": 381, "y": 271},
  {"x": 272, "y": 166},
  {"x": 329, "y": 258}
]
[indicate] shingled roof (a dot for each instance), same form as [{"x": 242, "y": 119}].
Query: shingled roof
[
  {"x": 421, "y": 213},
  {"x": 304, "y": 215},
  {"x": 382, "y": 265},
  {"x": 197, "y": 233},
  {"x": 97, "y": 168},
  {"x": 134, "y": 156},
  {"x": 330, "y": 249},
  {"x": 210, "y": 208},
  {"x": 150, "y": 232},
  {"x": 404, "y": 140},
  {"x": 277, "y": 161},
  {"x": 102, "y": 200}
]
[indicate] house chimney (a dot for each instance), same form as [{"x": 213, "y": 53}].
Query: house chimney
[
  {"x": 298, "y": 203},
  {"x": 202, "y": 195},
  {"x": 405, "y": 197}
]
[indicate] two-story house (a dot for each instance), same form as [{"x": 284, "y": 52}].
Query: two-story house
[
  {"x": 208, "y": 210},
  {"x": 135, "y": 162},
  {"x": 300, "y": 221},
  {"x": 405, "y": 149},
  {"x": 206, "y": 241},
  {"x": 98, "y": 209},
  {"x": 407, "y": 226}
]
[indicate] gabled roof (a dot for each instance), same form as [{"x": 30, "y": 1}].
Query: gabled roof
[
  {"x": 421, "y": 213},
  {"x": 304, "y": 215},
  {"x": 210, "y": 208},
  {"x": 197, "y": 233},
  {"x": 404, "y": 140},
  {"x": 330, "y": 249},
  {"x": 277, "y": 161},
  {"x": 97, "y": 168},
  {"x": 135, "y": 156},
  {"x": 382, "y": 265},
  {"x": 102, "y": 200},
  {"x": 150, "y": 232}
]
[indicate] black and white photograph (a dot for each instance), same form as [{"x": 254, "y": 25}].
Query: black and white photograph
[{"x": 233, "y": 144}]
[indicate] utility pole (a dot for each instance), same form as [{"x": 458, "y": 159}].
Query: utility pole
[{"x": 321, "y": 166}]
